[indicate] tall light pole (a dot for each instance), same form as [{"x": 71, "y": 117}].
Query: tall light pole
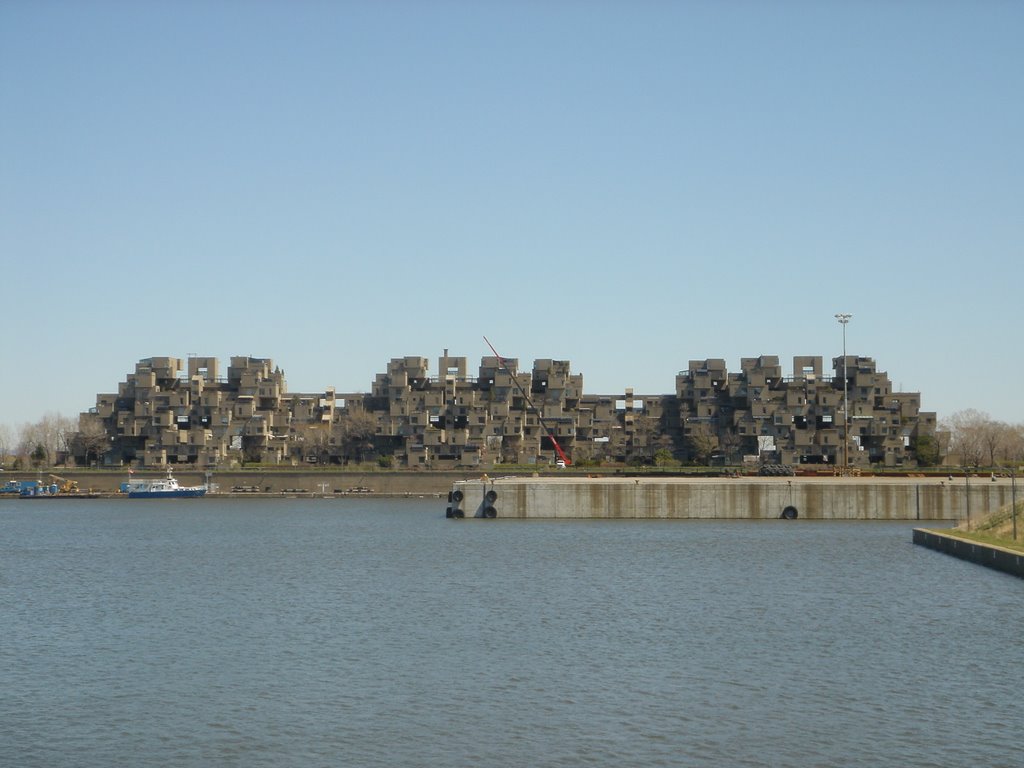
[
  {"x": 967, "y": 494},
  {"x": 1013, "y": 498},
  {"x": 844, "y": 318}
]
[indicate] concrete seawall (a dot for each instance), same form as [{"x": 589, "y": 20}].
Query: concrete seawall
[
  {"x": 990, "y": 556},
  {"x": 743, "y": 498}
]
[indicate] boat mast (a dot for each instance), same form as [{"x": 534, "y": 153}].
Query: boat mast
[{"x": 540, "y": 418}]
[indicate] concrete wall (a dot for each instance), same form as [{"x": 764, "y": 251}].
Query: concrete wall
[
  {"x": 998, "y": 558},
  {"x": 632, "y": 498}
]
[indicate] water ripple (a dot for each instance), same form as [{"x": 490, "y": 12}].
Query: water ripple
[{"x": 376, "y": 633}]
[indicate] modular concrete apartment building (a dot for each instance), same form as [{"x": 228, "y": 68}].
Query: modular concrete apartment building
[{"x": 170, "y": 411}]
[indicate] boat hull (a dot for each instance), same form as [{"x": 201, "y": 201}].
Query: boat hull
[
  {"x": 177, "y": 493},
  {"x": 63, "y": 496}
]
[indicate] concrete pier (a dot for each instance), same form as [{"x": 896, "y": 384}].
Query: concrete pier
[
  {"x": 988, "y": 555},
  {"x": 758, "y": 498}
]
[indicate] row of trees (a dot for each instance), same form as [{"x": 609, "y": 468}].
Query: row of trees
[
  {"x": 39, "y": 444},
  {"x": 978, "y": 440},
  {"x": 349, "y": 438},
  {"x": 54, "y": 439},
  {"x": 972, "y": 438}
]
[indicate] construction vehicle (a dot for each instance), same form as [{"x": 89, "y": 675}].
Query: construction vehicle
[{"x": 65, "y": 485}]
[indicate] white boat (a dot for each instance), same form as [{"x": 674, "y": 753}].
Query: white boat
[{"x": 163, "y": 488}]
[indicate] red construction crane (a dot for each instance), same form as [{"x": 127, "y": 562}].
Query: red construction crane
[{"x": 540, "y": 418}]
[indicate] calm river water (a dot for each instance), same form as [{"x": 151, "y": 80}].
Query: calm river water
[{"x": 377, "y": 633}]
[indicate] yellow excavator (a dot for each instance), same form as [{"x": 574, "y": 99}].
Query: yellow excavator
[{"x": 65, "y": 485}]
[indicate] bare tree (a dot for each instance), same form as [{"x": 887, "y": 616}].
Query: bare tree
[
  {"x": 29, "y": 436},
  {"x": 977, "y": 439},
  {"x": 318, "y": 441},
  {"x": 701, "y": 442},
  {"x": 1013, "y": 448},
  {"x": 966, "y": 429},
  {"x": 614, "y": 448},
  {"x": 91, "y": 440},
  {"x": 52, "y": 434},
  {"x": 49, "y": 434},
  {"x": 65, "y": 431},
  {"x": 995, "y": 435},
  {"x": 355, "y": 429},
  {"x": 311, "y": 442},
  {"x": 731, "y": 443},
  {"x": 5, "y": 443}
]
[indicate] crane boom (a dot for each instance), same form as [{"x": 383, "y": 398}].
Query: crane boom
[{"x": 540, "y": 418}]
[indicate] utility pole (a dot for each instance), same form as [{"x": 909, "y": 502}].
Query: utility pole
[{"x": 844, "y": 318}]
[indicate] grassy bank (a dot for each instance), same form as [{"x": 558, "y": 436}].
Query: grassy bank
[
  {"x": 982, "y": 537},
  {"x": 995, "y": 529}
]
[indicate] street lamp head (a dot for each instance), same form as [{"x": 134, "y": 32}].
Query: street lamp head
[{"x": 843, "y": 317}]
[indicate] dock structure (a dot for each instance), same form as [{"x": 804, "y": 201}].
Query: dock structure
[
  {"x": 758, "y": 498},
  {"x": 989, "y": 555}
]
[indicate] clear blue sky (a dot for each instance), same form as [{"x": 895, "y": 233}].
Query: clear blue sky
[{"x": 626, "y": 185}]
